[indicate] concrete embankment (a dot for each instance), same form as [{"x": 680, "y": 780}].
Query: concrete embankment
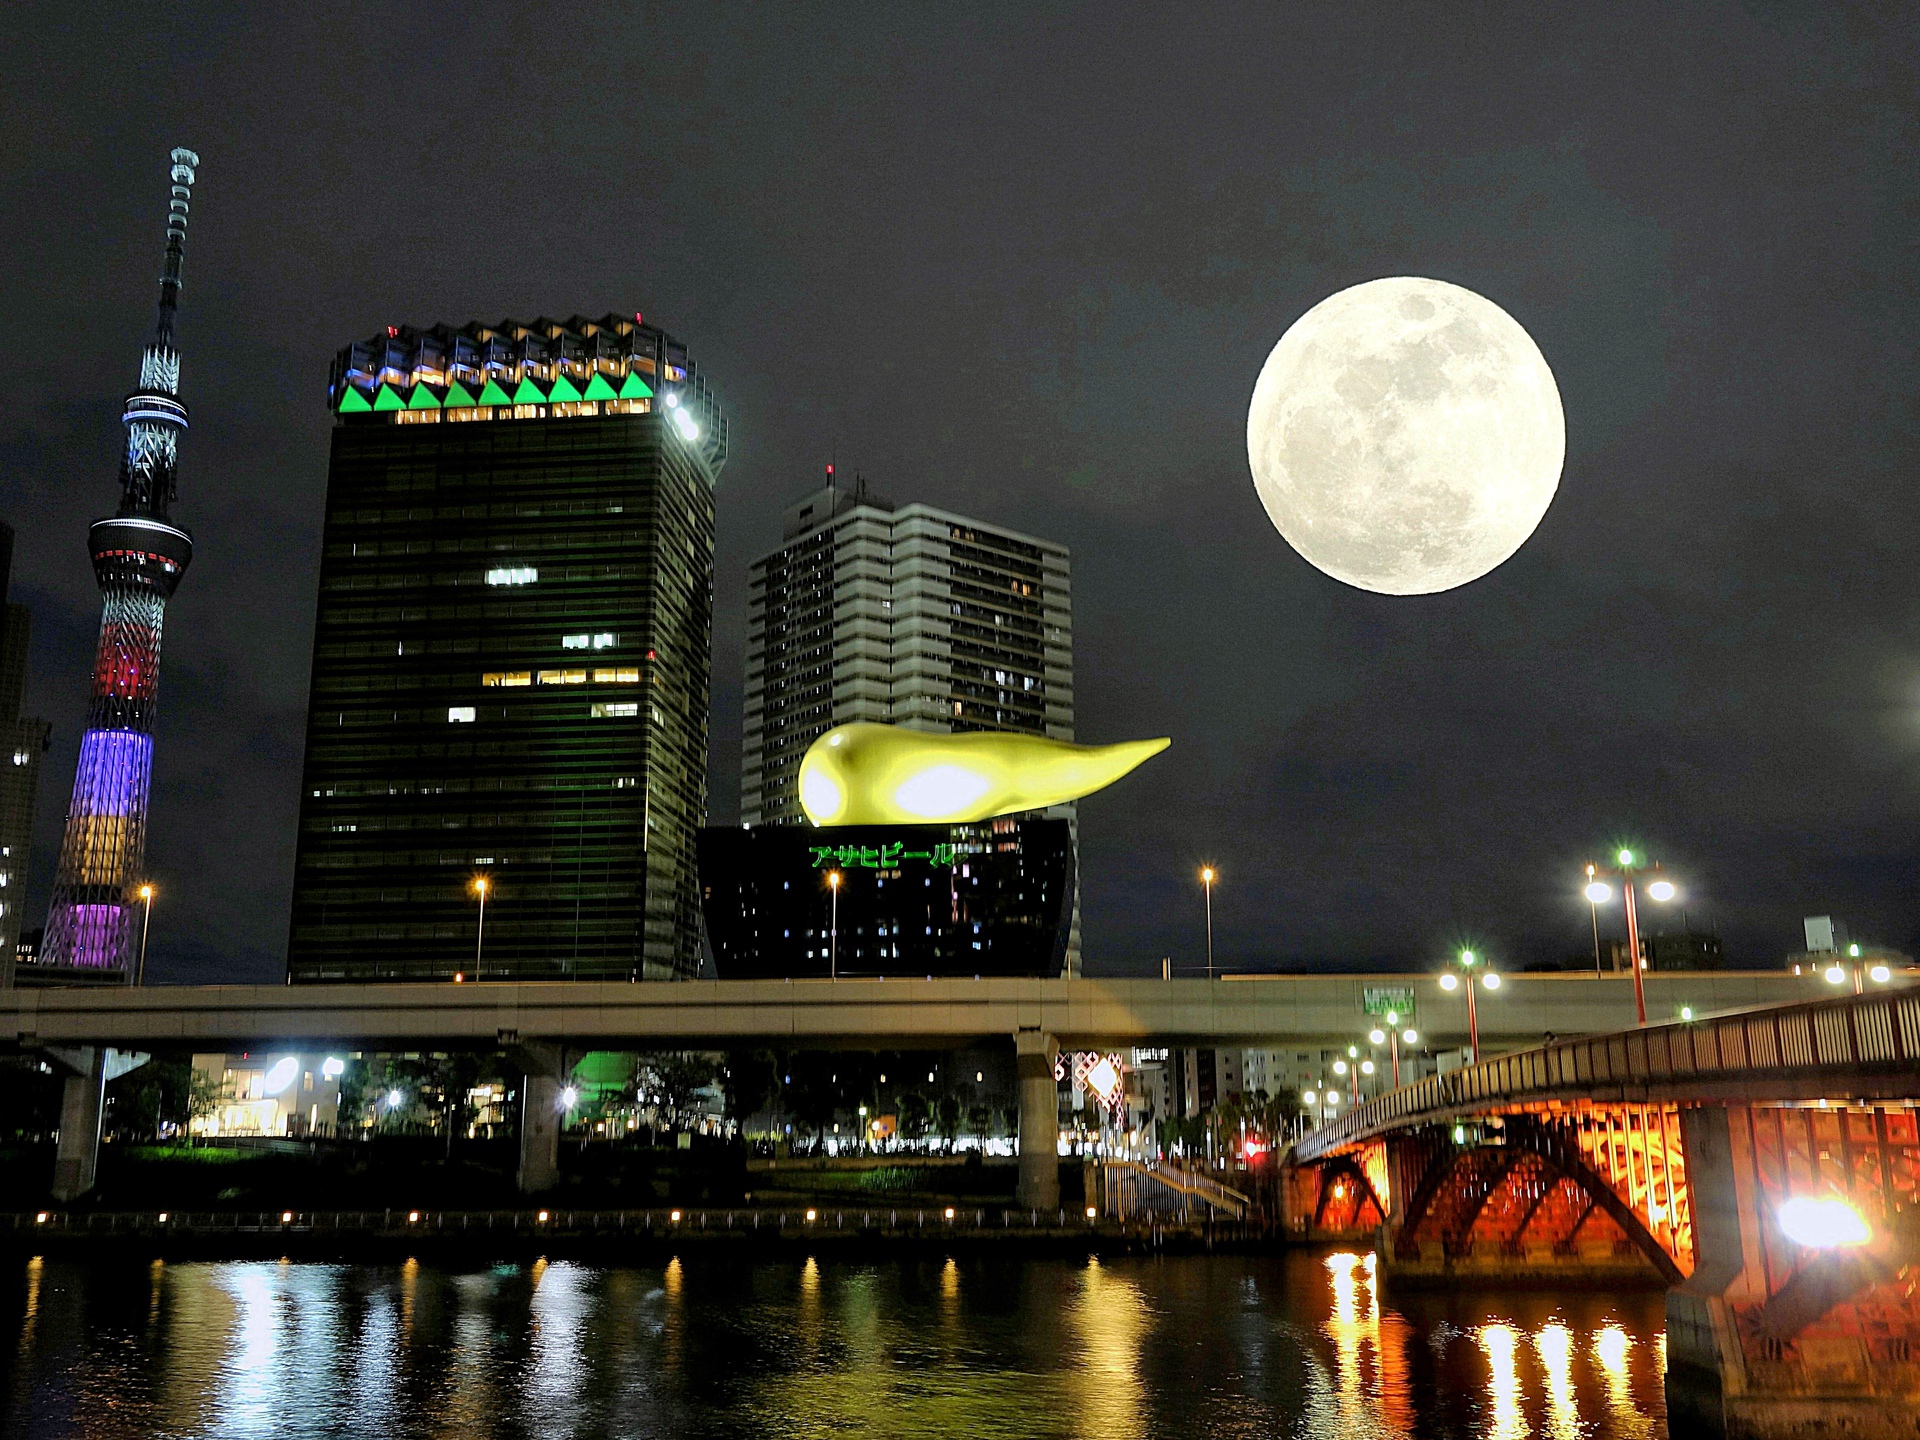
[{"x": 595, "y": 1234}]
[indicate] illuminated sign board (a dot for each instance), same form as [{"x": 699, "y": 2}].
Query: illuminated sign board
[
  {"x": 1384, "y": 999},
  {"x": 879, "y": 857}
]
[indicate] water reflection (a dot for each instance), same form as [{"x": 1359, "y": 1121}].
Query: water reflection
[
  {"x": 1110, "y": 1318},
  {"x": 1553, "y": 1342},
  {"x": 1370, "y": 1395},
  {"x": 1500, "y": 1342},
  {"x": 1297, "y": 1345}
]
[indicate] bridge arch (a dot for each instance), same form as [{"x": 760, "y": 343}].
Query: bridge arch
[
  {"x": 1346, "y": 1200},
  {"x": 1531, "y": 1193}
]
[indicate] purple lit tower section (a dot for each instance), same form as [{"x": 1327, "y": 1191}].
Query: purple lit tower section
[{"x": 139, "y": 556}]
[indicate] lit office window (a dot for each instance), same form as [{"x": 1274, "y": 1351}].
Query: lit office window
[
  {"x": 575, "y": 642},
  {"x": 460, "y": 714},
  {"x": 513, "y": 575},
  {"x": 563, "y": 677},
  {"x": 507, "y": 677},
  {"x": 615, "y": 710}
]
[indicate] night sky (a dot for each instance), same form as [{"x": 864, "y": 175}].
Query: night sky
[{"x": 1025, "y": 263}]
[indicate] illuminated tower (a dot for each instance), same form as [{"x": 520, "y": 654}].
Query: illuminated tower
[{"x": 139, "y": 556}]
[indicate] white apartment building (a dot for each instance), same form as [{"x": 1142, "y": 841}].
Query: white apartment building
[
  {"x": 901, "y": 615},
  {"x": 272, "y": 1093}
]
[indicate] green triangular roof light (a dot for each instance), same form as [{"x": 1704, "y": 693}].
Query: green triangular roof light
[
  {"x": 599, "y": 389},
  {"x": 423, "y": 399},
  {"x": 352, "y": 402},
  {"x": 458, "y": 396},
  {"x": 635, "y": 388},
  {"x": 563, "y": 389},
  {"x": 529, "y": 393},
  {"x": 494, "y": 395},
  {"x": 388, "y": 399}
]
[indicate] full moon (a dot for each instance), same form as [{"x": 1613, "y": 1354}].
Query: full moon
[{"x": 1406, "y": 436}]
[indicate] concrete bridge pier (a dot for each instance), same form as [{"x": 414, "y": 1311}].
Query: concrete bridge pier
[
  {"x": 1039, "y": 1184},
  {"x": 1826, "y": 1350},
  {"x": 82, "y": 1101},
  {"x": 543, "y": 1077}
]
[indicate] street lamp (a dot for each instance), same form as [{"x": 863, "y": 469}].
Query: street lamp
[
  {"x": 1468, "y": 961},
  {"x": 1207, "y": 875},
  {"x": 480, "y": 888},
  {"x": 1879, "y": 974},
  {"x": 1598, "y": 893},
  {"x": 833, "y": 933},
  {"x": 1391, "y": 1037},
  {"x": 145, "y": 893}
]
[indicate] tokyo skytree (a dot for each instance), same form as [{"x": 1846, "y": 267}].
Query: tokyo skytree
[{"x": 139, "y": 556}]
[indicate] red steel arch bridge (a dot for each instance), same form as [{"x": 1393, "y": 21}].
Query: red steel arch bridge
[{"x": 1763, "y": 1165}]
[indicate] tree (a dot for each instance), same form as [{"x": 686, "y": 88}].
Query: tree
[
  {"x": 813, "y": 1093},
  {"x": 915, "y": 1114},
  {"x": 677, "y": 1075},
  {"x": 749, "y": 1081},
  {"x": 947, "y": 1113},
  {"x": 205, "y": 1091},
  {"x": 153, "y": 1094}
]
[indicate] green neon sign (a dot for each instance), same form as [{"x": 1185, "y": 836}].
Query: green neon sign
[
  {"x": 879, "y": 857},
  {"x": 1384, "y": 999}
]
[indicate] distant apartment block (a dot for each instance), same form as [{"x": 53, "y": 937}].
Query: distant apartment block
[{"x": 902, "y": 615}]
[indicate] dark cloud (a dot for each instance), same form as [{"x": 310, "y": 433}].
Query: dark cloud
[{"x": 1026, "y": 263}]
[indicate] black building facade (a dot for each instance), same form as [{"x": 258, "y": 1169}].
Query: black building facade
[
  {"x": 992, "y": 898},
  {"x": 510, "y": 674}
]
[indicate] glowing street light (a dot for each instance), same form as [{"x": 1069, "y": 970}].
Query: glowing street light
[
  {"x": 1207, "y": 877},
  {"x": 1828, "y": 1223},
  {"x": 1392, "y": 1035},
  {"x": 481, "y": 885},
  {"x": 1468, "y": 962},
  {"x": 833, "y": 932},
  {"x": 1598, "y": 892},
  {"x": 146, "y": 922}
]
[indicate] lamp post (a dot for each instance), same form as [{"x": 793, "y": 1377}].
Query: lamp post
[
  {"x": 1880, "y": 974},
  {"x": 1468, "y": 961},
  {"x": 833, "y": 931},
  {"x": 1391, "y": 1037},
  {"x": 1207, "y": 875},
  {"x": 1599, "y": 892},
  {"x": 146, "y": 923},
  {"x": 480, "y": 888}
]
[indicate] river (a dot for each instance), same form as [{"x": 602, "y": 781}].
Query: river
[{"x": 1296, "y": 1344}]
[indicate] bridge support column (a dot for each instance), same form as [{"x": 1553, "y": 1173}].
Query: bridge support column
[
  {"x": 1748, "y": 1365},
  {"x": 81, "y": 1102},
  {"x": 1039, "y": 1184},
  {"x": 541, "y": 1082}
]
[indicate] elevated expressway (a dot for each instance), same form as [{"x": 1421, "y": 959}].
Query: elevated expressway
[
  {"x": 92, "y": 1032},
  {"x": 1675, "y": 1151}
]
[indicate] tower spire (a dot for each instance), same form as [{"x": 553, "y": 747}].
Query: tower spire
[{"x": 139, "y": 557}]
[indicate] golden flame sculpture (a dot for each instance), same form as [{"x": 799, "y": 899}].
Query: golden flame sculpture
[{"x": 890, "y": 775}]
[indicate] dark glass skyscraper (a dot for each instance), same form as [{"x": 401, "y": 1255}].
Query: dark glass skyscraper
[
  {"x": 23, "y": 740},
  {"x": 510, "y": 673}
]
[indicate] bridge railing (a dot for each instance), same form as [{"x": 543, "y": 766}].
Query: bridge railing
[{"x": 1847, "y": 1032}]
